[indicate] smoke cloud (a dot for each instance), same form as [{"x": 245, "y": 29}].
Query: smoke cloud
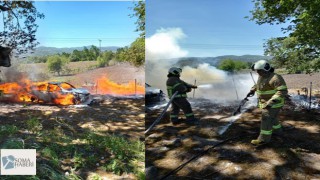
[
  {"x": 20, "y": 71},
  {"x": 161, "y": 49},
  {"x": 217, "y": 85}
]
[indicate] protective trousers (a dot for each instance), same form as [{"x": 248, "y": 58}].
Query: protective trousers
[
  {"x": 269, "y": 124},
  {"x": 181, "y": 103}
]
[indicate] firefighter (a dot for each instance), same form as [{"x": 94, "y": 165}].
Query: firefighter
[
  {"x": 174, "y": 83},
  {"x": 271, "y": 91}
]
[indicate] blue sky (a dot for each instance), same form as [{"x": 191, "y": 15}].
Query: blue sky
[
  {"x": 210, "y": 27},
  {"x": 78, "y": 24}
]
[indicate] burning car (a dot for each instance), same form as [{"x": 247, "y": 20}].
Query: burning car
[
  {"x": 60, "y": 93},
  {"x": 153, "y": 95}
]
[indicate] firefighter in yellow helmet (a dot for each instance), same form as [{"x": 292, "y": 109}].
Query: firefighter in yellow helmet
[
  {"x": 174, "y": 83},
  {"x": 271, "y": 91}
]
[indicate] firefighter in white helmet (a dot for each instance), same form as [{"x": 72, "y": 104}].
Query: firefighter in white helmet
[
  {"x": 174, "y": 83},
  {"x": 271, "y": 91}
]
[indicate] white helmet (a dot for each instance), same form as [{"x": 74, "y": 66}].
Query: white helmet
[
  {"x": 261, "y": 65},
  {"x": 175, "y": 70}
]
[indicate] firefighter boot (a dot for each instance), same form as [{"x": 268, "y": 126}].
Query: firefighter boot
[
  {"x": 262, "y": 139},
  {"x": 192, "y": 121},
  {"x": 258, "y": 142},
  {"x": 174, "y": 119}
]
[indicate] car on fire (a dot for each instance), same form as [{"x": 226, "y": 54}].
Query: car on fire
[
  {"x": 59, "y": 93},
  {"x": 154, "y": 95},
  {"x": 50, "y": 92}
]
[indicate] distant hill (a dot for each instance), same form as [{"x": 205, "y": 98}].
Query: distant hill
[
  {"x": 214, "y": 61},
  {"x": 43, "y": 51}
]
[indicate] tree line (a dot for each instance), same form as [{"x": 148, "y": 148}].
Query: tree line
[
  {"x": 93, "y": 53},
  {"x": 56, "y": 62},
  {"x": 21, "y": 36}
]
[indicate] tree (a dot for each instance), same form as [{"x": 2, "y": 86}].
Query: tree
[
  {"x": 139, "y": 12},
  {"x": 137, "y": 52},
  {"x": 301, "y": 46},
  {"x": 232, "y": 65},
  {"x": 295, "y": 60},
  {"x": 105, "y": 58},
  {"x": 121, "y": 54},
  {"x": 17, "y": 35},
  {"x": 55, "y": 64},
  {"x": 95, "y": 52},
  {"x": 76, "y": 56}
]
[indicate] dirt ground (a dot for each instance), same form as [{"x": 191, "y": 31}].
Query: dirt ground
[
  {"x": 120, "y": 73},
  {"x": 189, "y": 152},
  {"x": 298, "y": 81}
]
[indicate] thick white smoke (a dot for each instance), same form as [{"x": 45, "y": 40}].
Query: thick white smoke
[
  {"x": 20, "y": 71},
  {"x": 161, "y": 48},
  {"x": 204, "y": 73},
  {"x": 215, "y": 84}
]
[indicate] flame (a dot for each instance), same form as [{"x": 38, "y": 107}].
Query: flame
[
  {"x": 64, "y": 99},
  {"x": 105, "y": 86},
  {"x": 41, "y": 92}
]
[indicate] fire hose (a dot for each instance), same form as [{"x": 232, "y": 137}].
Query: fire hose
[
  {"x": 196, "y": 156},
  {"x": 243, "y": 101},
  {"x": 162, "y": 113}
]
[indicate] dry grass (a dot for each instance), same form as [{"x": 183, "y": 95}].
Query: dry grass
[{"x": 74, "y": 67}]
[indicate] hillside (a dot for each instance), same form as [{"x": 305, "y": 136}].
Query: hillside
[
  {"x": 43, "y": 51},
  {"x": 214, "y": 61}
]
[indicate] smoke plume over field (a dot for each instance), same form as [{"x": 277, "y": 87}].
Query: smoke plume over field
[{"x": 213, "y": 83}]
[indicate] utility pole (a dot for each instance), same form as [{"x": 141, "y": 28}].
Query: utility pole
[{"x": 100, "y": 45}]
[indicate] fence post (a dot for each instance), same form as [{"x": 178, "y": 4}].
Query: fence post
[
  {"x": 97, "y": 87},
  {"x": 310, "y": 96},
  {"x": 194, "y": 90},
  {"x": 135, "y": 87}
]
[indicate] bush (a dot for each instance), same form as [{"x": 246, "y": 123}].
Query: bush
[
  {"x": 56, "y": 64},
  {"x": 102, "y": 62},
  {"x": 232, "y": 65},
  {"x": 34, "y": 125},
  {"x": 13, "y": 143},
  {"x": 8, "y": 130}
]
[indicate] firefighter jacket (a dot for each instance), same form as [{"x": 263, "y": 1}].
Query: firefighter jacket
[
  {"x": 271, "y": 90},
  {"x": 174, "y": 84}
]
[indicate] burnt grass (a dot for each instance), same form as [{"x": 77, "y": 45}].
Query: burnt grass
[
  {"x": 79, "y": 143},
  {"x": 295, "y": 154}
]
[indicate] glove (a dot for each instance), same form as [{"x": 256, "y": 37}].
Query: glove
[
  {"x": 251, "y": 93},
  {"x": 189, "y": 90}
]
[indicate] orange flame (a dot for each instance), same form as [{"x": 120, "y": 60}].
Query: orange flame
[
  {"x": 105, "y": 86},
  {"x": 40, "y": 92}
]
